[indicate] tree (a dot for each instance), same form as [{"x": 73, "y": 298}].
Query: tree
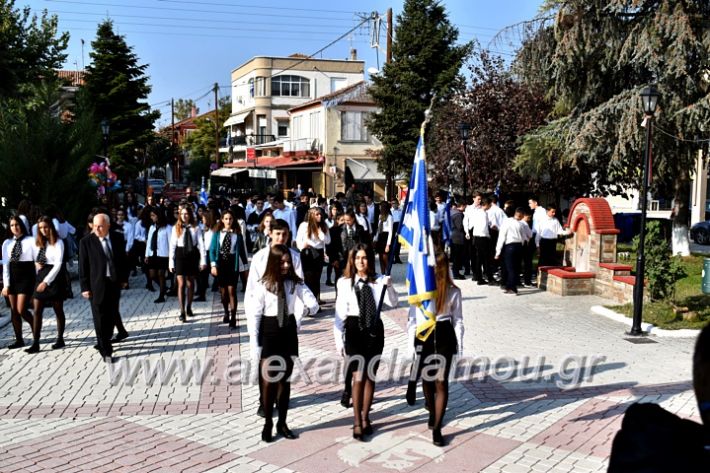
[
  {"x": 425, "y": 61},
  {"x": 595, "y": 86},
  {"x": 183, "y": 108},
  {"x": 29, "y": 48},
  {"x": 200, "y": 144},
  {"x": 118, "y": 87}
]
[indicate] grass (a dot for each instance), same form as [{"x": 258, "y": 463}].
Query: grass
[{"x": 688, "y": 294}]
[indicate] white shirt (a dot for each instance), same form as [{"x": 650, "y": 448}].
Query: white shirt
[
  {"x": 61, "y": 229},
  {"x": 128, "y": 234},
  {"x": 468, "y": 216},
  {"x": 258, "y": 265},
  {"x": 453, "y": 311},
  {"x": 29, "y": 253},
  {"x": 385, "y": 226},
  {"x": 496, "y": 215},
  {"x": 314, "y": 241},
  {"x": 549, "y": 229},
  {"x": 346, "y": 304},
  {"x": 179, "y": 242},
  {"x": 55, "y": 257},
  {"x": 139, "y": 232},
  {"x": 539, "y": 215},
  {"x": 371, "y": 213},
  {"x": 396, "y": 215},
  {"x": 163, "y": 241},
  {"x": 289, "y": 216},
  {"x": 364, "y": 222},
  {"x": 263, "y": 303},
  {"x": 513, "y": 231},
  {"x": 478, "y": 221},
  {"x": 434, "y": 220}
]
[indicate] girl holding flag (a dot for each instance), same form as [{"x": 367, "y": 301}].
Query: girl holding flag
[
  {"x": 436, "y": 346},
  {"x": 359, "y": 332}
]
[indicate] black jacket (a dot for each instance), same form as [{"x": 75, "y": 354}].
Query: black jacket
[
  {"x": 458, "y": 233},
  {"x": 341, "y": 241},
  {"x": 92, "y": 264}
]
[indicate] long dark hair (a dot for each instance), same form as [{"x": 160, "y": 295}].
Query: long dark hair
[
  {"x": 443, "y": 280},
  {"x": 273, "y": 279},
  {"x": 53, "y": 235},
  {"x": 19, "y": 221},
  {"x": 351, "y": 271}
]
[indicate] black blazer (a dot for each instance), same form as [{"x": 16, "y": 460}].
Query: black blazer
[
  {"x": 360, "y": 236},
  {"x": 93, "y": 260},
  {"x": 458, "y": 233}
]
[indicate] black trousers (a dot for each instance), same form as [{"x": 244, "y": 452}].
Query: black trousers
[
  {"x": 312, "y": 270},
  {"x": 105, "y": 314},
  {"x": 494, "y": 243},
  {"x": 482, "y": 251},
  {"x": 512, "y": 253},
  {"x": 548, "y": 252},
  {"x": 458, "y": 255},
  {"x": 529, "y": 249}
]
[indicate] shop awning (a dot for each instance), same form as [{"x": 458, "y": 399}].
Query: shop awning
[
  {"x": 227, "y": 172},
  {"x": 236, "y": 119},
  {"x": 364, "y": 170}
]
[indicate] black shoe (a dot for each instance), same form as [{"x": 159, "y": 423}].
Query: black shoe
[
  {"x": 266, "y": 434},
  {"x": 411, "y": 395},
  {"x": 345, "y": 400},
  {"x": 481, "y": 283},
  {"x": 437, "y": 438},
  {"x": 357, "y": 432},
  {"x": 96, "y": 347},
  {"x": 329, "y": 284},
  {"x": 17, "y": 344},
  {"x": 159, "y": 300},
  {"x": 33, "y": 349},
  {"x": 285, "y": 432},
  {"x": 172, "y": 292},
  {"x": 493, "y": 283},
  {"x": 367, "y": 430},
  {"x": 233, "y": 320},
  {"x": 200, "y": 299},
  {"x": 430, "y": 422},
  {"x": 110, "y": 359},
  {"x": 182, "y": 317},
  {"x": 225, "y": 319},
  {"x": 58, "y": 344},
  {"x": 459, "y": 276},
  {"x": 189, "y": 312},
  {"x": 119, "y": 337},
  {"x": 260, "y": 411}
]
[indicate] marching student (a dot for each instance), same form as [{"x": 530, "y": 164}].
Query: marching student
[
  {"x": 262, "y": 239},
  {"x": 278, "y": 302},
  {"x": 384, "y": 234},
  {"x": 438, "y": 349},
  {"x": 312, "y": 237},
  {"x": 50, "y": 287},
  {"x": 225, "y": 256},
  {"x": 18, "y": 272},
  {"x": 186, "y": 257},
  {"x": 358, "y": 329},
  {"x": 207, "y": 223},
  {"x": 158, "y": 250}
]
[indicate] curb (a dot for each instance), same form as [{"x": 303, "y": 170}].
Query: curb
[{"x": 649, "y": 329}]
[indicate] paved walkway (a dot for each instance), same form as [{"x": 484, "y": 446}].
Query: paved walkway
[{"x": 61, "y": 411}]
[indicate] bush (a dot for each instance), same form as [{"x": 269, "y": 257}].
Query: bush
[{"x": 663, "y": 269}]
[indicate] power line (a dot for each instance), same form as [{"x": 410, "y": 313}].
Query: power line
[
  {"x": 657, "y": 128},
  {"x": 270, "y": 7},
  {"x": 192, "y": 10}
]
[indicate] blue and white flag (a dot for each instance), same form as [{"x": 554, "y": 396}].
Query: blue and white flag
[
  {"x": 446, "y": 222},
  {"x": 415, "y": 236},
  {"x": 203, "y": 193}
]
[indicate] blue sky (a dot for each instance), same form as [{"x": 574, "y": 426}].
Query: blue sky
[{"x": 191, "y": 44}]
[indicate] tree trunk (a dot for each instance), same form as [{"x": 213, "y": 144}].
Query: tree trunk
[{"x": 680, "y": 216}]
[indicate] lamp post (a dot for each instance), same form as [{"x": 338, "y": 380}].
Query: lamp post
[
  {"x": 649, "y": 99},
  {"x": 104, "y": 131},
  {"x": 464, "y": 134}
]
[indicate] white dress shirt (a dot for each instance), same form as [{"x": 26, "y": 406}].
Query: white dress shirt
[
  {"x": 289, "y": 216},
  {"x": 128, "y": 234},
  {"x": 478, "y": 221},
  {"x": 139, "y": 232},
  {"x": 364, "y": 222},
  {"x": 385, "y": 226},
  {"x": 29, "y": 253},
  {"x": 496, "y": 215},
  {"x": 371, "y": 214},
  {"x": 549, "y": 229},
  {"x": 396, "y": 215},
  {"x": 539, "y": 215},
  {"x": 258, "y": 266},
  {"x": 513, "y": 231},
  {"x": 453, "y": 312},
  {"x": 318, "y": 241},
  {"x": 55, "y": 257},
  {"x": 163, "y": 241},
  {"x": 346, "y": 304},
  {"x": 179, "y": 242}
]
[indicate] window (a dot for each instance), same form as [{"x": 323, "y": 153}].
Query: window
[
  {"x": 251, "y": 88},
  {"x": 260, "y": 85},
  {"x": 282, "y": 128},
  {"x": 352, "y": 126},
  {"x": 290, "y": 86},
  {"x": 337, "y": 83},
  {"x": 314, "y": 118}
]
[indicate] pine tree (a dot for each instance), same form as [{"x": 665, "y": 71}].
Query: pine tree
[
  {"x": 425, "y": 61},
  {"x": 118, "y": 87}
]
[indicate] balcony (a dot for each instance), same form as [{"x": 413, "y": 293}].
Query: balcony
[
  {"x": 303, "y": 147},
  {"x": 241, "y": 142}
]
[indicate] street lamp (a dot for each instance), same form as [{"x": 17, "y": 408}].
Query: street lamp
[
  {"x": 649, "y": 99},
  {"x": 464, "y": 134},
  {"x": 104, "y": 132}
]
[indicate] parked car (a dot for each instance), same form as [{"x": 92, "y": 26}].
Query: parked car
[
  {"x": 175, "y": 191},
  {"x": 157, "y": 185},
  {"x": 700, "y": 233}
]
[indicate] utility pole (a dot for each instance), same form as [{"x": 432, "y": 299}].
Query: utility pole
[
  {"x": 173, "y": 158},
  {"x": 389, "y": 179},
  {"x": 216, "y": 124},
  {"x": 389, "y": 36}
]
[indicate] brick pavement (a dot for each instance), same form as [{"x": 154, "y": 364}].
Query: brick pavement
[{"x": 59, "y": 410}]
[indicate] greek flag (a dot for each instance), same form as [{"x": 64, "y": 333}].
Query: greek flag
[
  {"x": 203, "y": 193},
  {"x": 415, "y": 236},
  {"x": 446, "y": 223}
]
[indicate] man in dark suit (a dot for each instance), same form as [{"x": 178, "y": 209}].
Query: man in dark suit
[
  {"x": 458, "y": 240},
  {"x": 351, "y": 233},
  {"x": 102, "y": 271}
]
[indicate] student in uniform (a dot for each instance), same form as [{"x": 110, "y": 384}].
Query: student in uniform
[
  {"x": 436, "y": 348},
  {"x": 358, "y": 330},
  {"x": 207, "y": 223},
  {"x": 384, "y": 234},
  {"x": 277, "y": 305},
  {"x": 225, "y": 255},
  {"x": 158, "y": 250},
  {"x": 312, "y": 237},
  {"x": 187, "y": 257},
  {"x": 50, "y": 286},
  {"x": 18, "y": 253}
]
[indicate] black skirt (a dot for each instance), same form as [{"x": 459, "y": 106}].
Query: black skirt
[
  {"x": 278, "y": 341},
  {"x": 381, "y": 243},
  {"x": 22, "y": 277},
  {"x": 158, "y": 263},
  {"x": 441, "y": 342},
  {"x": 54, "y": 292},
  {"x": 361, "y": 342},
  {"x": 226, "y": 274},
  {"x": 186, "y": 264}
]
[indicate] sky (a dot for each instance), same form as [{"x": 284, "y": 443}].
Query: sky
[{"x": 189, "y": 45}]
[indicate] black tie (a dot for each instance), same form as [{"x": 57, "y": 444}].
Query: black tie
[
  {"x": 226, "y": 247},
  {"x": 154, "y": 242},
  {"x": 16, "y": 253},
  {"x": 42, "y": 255},
  {"x": 187, "y": 242},
  {"x": 282, "y": 308},
  {"x": 109, "y": 260},
  {"x": 368, "y": 308}
]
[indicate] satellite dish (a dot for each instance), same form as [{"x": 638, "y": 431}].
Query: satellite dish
[{"x": 373, "y": 71}]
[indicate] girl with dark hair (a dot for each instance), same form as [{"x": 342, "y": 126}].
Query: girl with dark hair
[
  {"x": 363, "y": 218},
  {"x": 262, "y": 232},
  {"x": 331, "y": 249},
  {"x": 358, "y": 330},
  {"x": 24, "y": 209},
  {"x": 18, "y": 253},
  {"x": 187, "y": 257},
  {"x": 277, "y": 305},
  {"x": 158, "y": 250},
  {"x": 438, "y": 344},
  {"x": 311, "y": 239},
  {"x": 225, "y": 255},
  {"x": 51, "y": 282},
  {"x": 207, "y": 223},
  {"x": 384, "y": 234}
]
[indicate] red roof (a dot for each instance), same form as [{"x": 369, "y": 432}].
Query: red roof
[
  {"x": 602, "y": 220},
  {"x": 275, "y": 162}
]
